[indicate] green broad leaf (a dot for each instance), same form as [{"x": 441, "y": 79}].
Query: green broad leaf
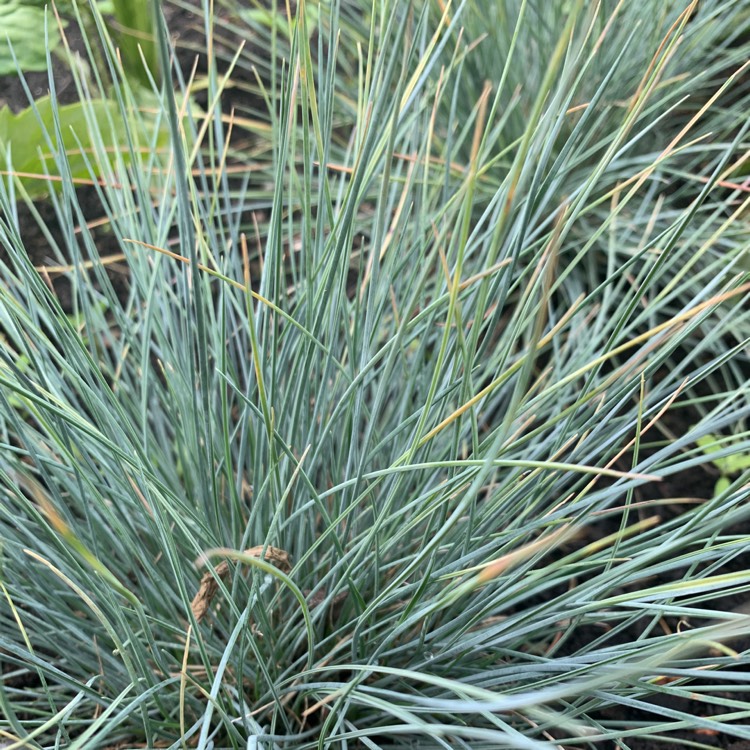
[
  {"x": 737, "y": 463},
  {"x": 709, "y": 443},
  {"x": 23, "y": 136},
  {"x": 22, "y": 29},
  {"x": 136, "y": 38},
  {"x": 726, "y": 464}
]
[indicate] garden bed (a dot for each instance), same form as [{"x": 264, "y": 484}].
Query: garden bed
[{"x": 360, "y": 408}]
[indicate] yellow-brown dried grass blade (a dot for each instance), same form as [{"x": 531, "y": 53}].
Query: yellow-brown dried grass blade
[
  {"x": 213, "y": 107},
  {"x": 427, "y": 55},
  {"x": 639, "y": 178},
  {"x": 613, "y": 539},
  {"x": 666, "y": 325},
  {"x": 84, "y": 265},
  {"x": 544, "y": 544},
  {"x": 538, "y": 344}
]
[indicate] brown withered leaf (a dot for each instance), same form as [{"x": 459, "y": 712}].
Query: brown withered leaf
[{"x": 209, "y": 584}]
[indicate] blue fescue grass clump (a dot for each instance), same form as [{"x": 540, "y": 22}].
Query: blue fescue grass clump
[{"x": 365, "y": 449}]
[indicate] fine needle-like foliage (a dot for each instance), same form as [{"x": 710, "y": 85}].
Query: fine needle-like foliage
[{"x": 370, "y": 415}]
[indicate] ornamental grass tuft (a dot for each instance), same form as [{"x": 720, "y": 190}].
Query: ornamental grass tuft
[{"x": 371, "y": 411}]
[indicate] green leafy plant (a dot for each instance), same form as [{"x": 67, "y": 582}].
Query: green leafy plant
[
  {"x": 34, "y": 139},
  {"x": 30, "y": 32},
  {"x": 24, "y": 44},
  {"x": 136, "y": 38},
  {"x": 28, "y": 137},
  {"x": 728, "y": 465},
  {"x": 368, "y": 450}
]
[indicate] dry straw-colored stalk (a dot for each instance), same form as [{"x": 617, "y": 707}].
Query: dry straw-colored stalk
[{"x": 209, "y": 584}]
